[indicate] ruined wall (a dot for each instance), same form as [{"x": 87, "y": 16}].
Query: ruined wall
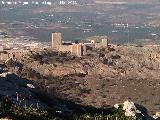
[
  {"x": 98, "y": 45},
  {"x": 64, "y": 48},
  {"x": 103, "y": 43},
  {"x": 89, "y": 46},
  {"x": 14, "y": 54},
  {"x": 77, "y": 49}
]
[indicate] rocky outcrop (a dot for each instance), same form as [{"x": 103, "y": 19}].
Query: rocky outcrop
[
  {"x": 157, "y": 116},
  {"x": 130, "y": 109},
  {"x": 136, "y": 111}
]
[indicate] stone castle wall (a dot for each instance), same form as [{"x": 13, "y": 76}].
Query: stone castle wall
[
  {"x": 76, "y": 49},
  {"x": 64, "y": 48}
]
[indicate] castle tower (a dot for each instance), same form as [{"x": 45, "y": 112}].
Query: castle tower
[
  {"x": 105, "y": 42},
  {"x": 76, "y": 49},
  {"x": 56, "y": 39}
]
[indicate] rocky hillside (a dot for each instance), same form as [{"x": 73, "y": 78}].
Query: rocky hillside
[{"x": 101, "y": 78}]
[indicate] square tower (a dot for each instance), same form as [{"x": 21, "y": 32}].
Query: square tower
[
  {"x": 77, "y": 49},
  {"x": 56, "y": 39},
  {"x": 105, "y": 42}
]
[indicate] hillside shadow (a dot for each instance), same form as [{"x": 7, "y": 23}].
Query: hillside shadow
[
  {"x": 11, "y": 85},
  {"x": 16, "y": 87},
  {"x": 67, "y": 109}
]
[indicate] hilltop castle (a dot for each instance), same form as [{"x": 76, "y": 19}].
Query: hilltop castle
[{"x": 78, "y": 49}]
